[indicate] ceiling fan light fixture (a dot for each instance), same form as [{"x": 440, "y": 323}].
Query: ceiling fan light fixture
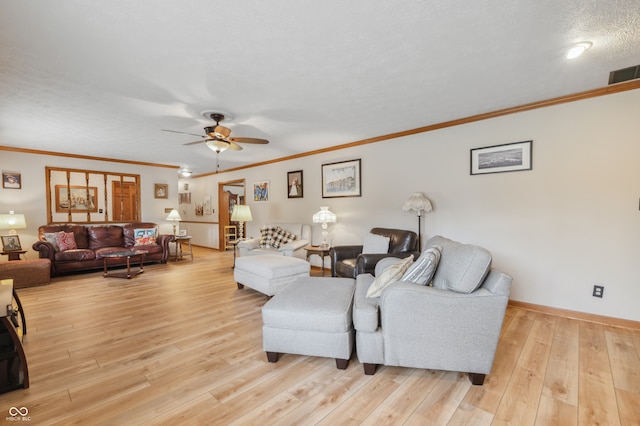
[
  {"x": 218, "y": 146},
  {"x": 222, "y": 132},
  {"x": 185, "y": 172}
]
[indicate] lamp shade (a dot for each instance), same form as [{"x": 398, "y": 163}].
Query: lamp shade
[
  {"x": 12, "y": 221},
  {"x": 324, "y": 216},
  {"x": 417, "y": 202},
  {"x": 241, "y": 213},
  {"x": 174, "y": 215},
  {"x": 217, "y": 145}
]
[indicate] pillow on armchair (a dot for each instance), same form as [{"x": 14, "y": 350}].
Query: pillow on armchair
[{"x": 374, "y": 243}]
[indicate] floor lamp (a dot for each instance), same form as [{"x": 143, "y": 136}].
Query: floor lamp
[
  {"x": 241, "y": 213},
  {"x": 417, "y": 202}
]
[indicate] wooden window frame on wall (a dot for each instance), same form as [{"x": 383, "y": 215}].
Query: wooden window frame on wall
[{"x": 104, "y": 193}]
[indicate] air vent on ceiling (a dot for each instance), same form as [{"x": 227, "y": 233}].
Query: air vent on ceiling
[{"x": 624, "y": 74}]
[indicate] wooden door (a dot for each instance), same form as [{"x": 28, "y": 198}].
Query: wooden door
[{"x": 124, "y": 202}]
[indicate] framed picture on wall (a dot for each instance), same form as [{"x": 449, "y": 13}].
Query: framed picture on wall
[
  {"x": 341, "y": 179},
  {"x": 261, "y": 191},
  {"x": 510, "y": 157},
  {"x": 294, "y": 184},
  {"x": 77, "y": 199},
  {"x": 11, "y": 180},
  {"x": 161, "y": 190}
]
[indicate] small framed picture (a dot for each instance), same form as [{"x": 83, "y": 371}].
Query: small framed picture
[
  {"x": 182, "y": 232},
  {"x": 11, "y": 180},
  {"x": 261, "y": 191},
  {"x": 161, "y": 190},
  {"x": 510, "y": 157},
  {"x": 294, "y": 184},
  {"x": 11, "y": 243}
]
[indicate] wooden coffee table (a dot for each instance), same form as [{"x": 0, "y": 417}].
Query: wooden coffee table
[{"x": 128, "y": 254}]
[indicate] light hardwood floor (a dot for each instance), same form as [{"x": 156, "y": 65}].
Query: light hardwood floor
[{"x": 180, "y": 344}]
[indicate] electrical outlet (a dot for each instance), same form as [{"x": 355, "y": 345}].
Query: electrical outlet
[{"x": 598, "y": 291}]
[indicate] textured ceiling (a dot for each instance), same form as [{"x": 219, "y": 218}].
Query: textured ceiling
[{"x": 103, "y": 78}]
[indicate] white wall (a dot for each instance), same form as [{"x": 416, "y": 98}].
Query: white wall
[
  {"x": 571, "y": 222},
  {"x": 31, "y": 199}
]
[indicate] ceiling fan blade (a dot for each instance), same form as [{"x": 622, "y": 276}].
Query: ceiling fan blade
[
  {"x": 234, "y": 146},
  {"x": 183, "y": 133},
  {"x": 249, "y": 140},
  {"x": 195, "y": 142}
]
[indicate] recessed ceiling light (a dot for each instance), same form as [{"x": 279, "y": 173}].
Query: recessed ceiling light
[{"x": 578, "y": 49}]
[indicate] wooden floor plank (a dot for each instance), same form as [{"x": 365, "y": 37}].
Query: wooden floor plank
[{"x": 180, "y": 344}]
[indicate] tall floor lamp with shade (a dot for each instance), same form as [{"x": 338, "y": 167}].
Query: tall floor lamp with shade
[
  {"x": 419, "y": 203},
  {"x": 241, "y": 213}
]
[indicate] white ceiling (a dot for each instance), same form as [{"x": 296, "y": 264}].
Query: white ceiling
[{"x": 102, "y": 78}]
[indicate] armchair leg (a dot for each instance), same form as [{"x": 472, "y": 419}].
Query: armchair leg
[
  {"x": 369, "y": 369},
  {"x": 240, "y": 286},
  {"x": 272, "y": 356},
  {"x": 477, "y": 379}
]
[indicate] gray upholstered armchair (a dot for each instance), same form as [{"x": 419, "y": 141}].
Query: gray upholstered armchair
[
  {"x": 452, "y": 325},
  {"x": 349, "y": 261}
]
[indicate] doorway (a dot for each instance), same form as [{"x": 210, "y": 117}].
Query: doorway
[
  {"x": 229, "y": 194},
  {"x": 125, "y": 201}
]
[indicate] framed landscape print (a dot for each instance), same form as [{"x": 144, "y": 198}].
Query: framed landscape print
[
  {"x": 294, "y": 184},
  {"x": 510, "y": 157},
  {"x": 341, "y": 179},
  {"x": 77, "y": 199}
]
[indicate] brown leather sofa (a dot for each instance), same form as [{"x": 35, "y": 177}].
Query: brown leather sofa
[
  {"x": 94, "y": 241},
  {"x": 349, "y": 261}
]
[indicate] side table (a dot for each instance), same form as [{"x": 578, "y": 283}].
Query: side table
[
  {"x": 14, "y": 254},
  {"x": 318, "y": 250},
  {"x": 179, "y": 239}
]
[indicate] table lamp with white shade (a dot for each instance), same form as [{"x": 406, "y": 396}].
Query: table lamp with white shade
[
  {"x": 324, "y": 216},
  {"x": 174, "y": 216},
  {"x": 241, "y": 213},
  {"x": 12, "y": 221}
]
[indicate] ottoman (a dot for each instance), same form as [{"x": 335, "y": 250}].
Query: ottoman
[
  {"x": 311, "y": 317},
  {"x": 269, "y": 273},
  {"x": 27, "y": 273}
]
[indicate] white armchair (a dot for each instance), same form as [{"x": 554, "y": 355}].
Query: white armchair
[{"x": 295, "y": 248}]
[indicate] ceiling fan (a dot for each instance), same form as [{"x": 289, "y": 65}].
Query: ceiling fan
[{"x": 217, "y": 137}]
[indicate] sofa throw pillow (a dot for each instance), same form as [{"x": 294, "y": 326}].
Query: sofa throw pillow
[
  {"x": 390, "y": 275},
  {"x": 145, "y": 236},
  {"x": 281, "y": 237},
  {"x": 266, "y": 234},
  {"x": 422, "y": 270},
  {"x": 51, "y": 238},
  {"x": 66, "y": 241},
  {"x": 374, "y": 243}
]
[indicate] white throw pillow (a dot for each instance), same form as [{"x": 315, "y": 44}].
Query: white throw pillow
[
  {"x": 423, "y": 269},
  {"x": 375, "y": 244},
  {"x": 390, "y": 275}
]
